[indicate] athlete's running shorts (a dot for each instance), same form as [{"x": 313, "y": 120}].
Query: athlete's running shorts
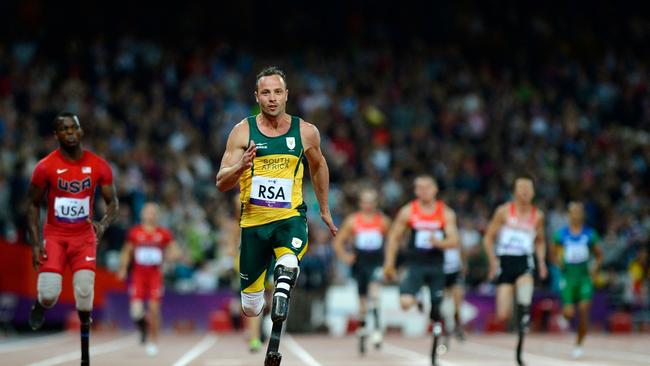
[
  {"x": 364, "y": 273},
  {"x": 146, "y": 284},
  {"x": 418, "y": 275},
  {"x": 78, "y": 250},
  {"x": 261, "y": 244},
  {"x": 511, "y": 267},
  {"x": 453, "y": 279},
  {"x": 575, "y": 289}
]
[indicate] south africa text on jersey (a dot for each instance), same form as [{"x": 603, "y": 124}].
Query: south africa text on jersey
[{"x": 269, "y": 164}]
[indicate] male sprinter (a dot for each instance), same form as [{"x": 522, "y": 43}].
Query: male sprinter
[
  {"x": 574, "y": 246},
  {"x": 367, "y": 227},
  {"x": 434, "y": 230},
  {"x": 264, "y": 155},
  {"x": 69, "y": 175},
  {"x": 149, "y": 245},
  {"x": 518, "y": 227}
]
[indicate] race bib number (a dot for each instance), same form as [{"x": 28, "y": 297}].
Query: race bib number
[
  {"x": 271, "y": 192},
  {"x": 369, "y": 240},
  {"x": 576, "y": 253},
  {"x": 71, "y": 210},
  {"x": 515, "y": 242},
  {"x": 423, "y": 238},
  {"x": 148, "y": 256}
]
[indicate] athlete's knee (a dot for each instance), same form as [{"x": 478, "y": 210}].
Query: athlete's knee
[
  {"x": 568, "y": 312},
  {"x": 252, "y": 303},
  {"x": 49, "y": 288},
  {"x": 525, "y": 294},
  {"x": 84, "y": 283},
  {"x": 136, "y": 310}
]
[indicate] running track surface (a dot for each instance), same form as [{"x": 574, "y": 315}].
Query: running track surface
[{"x": 115, "y": 348}]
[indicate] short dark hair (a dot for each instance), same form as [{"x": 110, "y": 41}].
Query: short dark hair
[
  {"x": 63, "y": 115},
  {"x": 426, "y": 176},
  {"x": 271, "y": 70},
  {"x": 526, "y": 176}
]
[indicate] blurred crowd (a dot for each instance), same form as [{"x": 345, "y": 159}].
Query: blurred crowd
[{"x": 471, "y": 116}]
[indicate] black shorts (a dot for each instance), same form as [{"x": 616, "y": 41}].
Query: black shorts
[
  {"x": 363, "y": 273},
  {"x": 418, "y": 275},
  {"x": 453, "y": 279},
  {"x": 511, "y": 267}
]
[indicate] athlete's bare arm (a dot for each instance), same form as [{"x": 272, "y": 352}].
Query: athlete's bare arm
[
  {"x": 342, "y": 238},
  {"x": 35, "y": 196},
  {"x": 125, "y": 260},
  {"x": 237, "y": 158},
  {"x": 320, "y": 174},
  {"x": 540, "y": 246},
  {"x": 498, "y": 219},
  {"x": 385, "y": 222},
  {"x": 173, "y": 252},
  {"x": 451, "y": 231},
  {"x": 112, "y": 204},
  {"x": 598, "y": 256},
  {"x": 394, "y": 237}
]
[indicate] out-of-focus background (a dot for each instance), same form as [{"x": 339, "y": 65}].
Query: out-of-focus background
[{"x": 473, "y": 94}]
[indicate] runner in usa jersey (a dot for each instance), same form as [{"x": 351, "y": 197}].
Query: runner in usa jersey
[
  {"x": 69, "y": 176},
  {"x": 365, "y": 231},
  {"x": 147, "y": 246},
  {"x": 517, "y": 227},
  {"x": 433, "y": 229}
]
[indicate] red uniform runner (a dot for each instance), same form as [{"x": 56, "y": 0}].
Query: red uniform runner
[
  {"x": 68, "y": 232},
  {"x": 148, "y": 253}
]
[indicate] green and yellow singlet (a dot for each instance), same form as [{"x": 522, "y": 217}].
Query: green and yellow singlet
[{"x": 271, "y": 189}]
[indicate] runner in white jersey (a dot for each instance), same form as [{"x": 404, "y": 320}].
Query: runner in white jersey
[{"x": 518, "y": 228}]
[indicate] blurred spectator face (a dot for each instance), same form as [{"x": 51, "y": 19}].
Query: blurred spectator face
[
  {"x": 524, "y": 190},
  {"x": 68, "y": 132},
  {"x": 271, "y": 94},
  {"x": 368, "y": 200},
  {"x": 149, "y": 214},
  {"x": 425, "y": 189},
  {"x": 576, "y": 213}
]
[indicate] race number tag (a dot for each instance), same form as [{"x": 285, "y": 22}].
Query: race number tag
[
  {"x": 515, "y": 242},
  {"x": 71, "y": 210},
  {"x": 576, "y": 253},
  {"x": 369, "y": 240},
  {"x": 271, "y": 192},
  {"x": 148, "y": 256}
]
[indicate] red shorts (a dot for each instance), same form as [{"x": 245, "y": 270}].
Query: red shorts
[
  {"x": 147, "y": 284},
  {"x": 78, "y": 250}
]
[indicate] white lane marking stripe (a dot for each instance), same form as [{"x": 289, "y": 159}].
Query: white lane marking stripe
[
  {"x": 99, "y": 349},
  {"x": 205, "y": 344},
  {"x": 297, "y": 350},
  {"x": 412, "y": 355},
  {"x": 21, "y": 344}
]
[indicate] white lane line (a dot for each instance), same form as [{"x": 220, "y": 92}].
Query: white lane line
[
  {"x": 416, "y": 357},
  {"x": 602, "y": 352},
  {"x": 99, "y": 349},
  {"x": 205, "y": 344},
  {"x": 297, "y": 350},
  {"x": 42, "y": 341}
]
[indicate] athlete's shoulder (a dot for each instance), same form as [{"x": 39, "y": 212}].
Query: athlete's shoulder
[
  {"x": 95, "y": 158},
  {"x": 47, "y": 159},
  {"x": 308, "y": 129},
  {"x": 241, "y": 131}
]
